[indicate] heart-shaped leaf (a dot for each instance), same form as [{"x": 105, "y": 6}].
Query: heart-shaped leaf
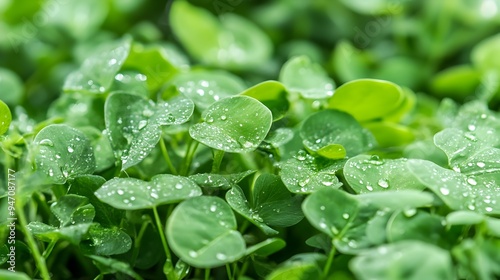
[
  {"x": 133, "y": 124},
  {"x": 106, "y": 241},
  {"x": 301, "y": 75},
  {"x": 63, "y": 153},
  {"x": 73, "y": 209},
  {"x": 369, "y": 173},
  {"x": 132, "y": 194},
  {"x": 210, "y": 238},
  {"x": 236, "y": 124},
  {"x": 331, "y": 127}
]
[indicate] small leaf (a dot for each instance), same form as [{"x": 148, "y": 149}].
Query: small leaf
[
  {"x": 302, "y": 266},
  {"x": 113, "y": 266},
  {"x": 411, "y": 260},
  {"x": 304, "y": 174},
  {"x": 273, "y": 95},
  {"x": 106, "y": 241},
  {"x": 12, "y": 87},
  {"x": 301, "y": 75},
  {"x": 398, "y": 200},
  {"x": 7, "y": 274},
  {"x": 133, "y": 124},
  {"x": 132, "y": 194},
  {"x": 367, "y": 99},
  {"x": 389, "y": 134},
  {"x": 328, "y": 127},
  {"x": 73, "y": 209},
  {"x": 98, "y": 71},
  {"x": 415, "y": 224},
  {"x": 369, "y": 173},
  {"x": 210, "y": 238},
  {"x": 73, "y": 233},
  {"x": 5, "y": 117},
  {"x": 235, "y": 124},
  {"x": 467, "y": 218},
  {"x": 63, "y": 153}
]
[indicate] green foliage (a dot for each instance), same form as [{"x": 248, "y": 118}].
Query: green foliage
[{"x": 246, "y": 140}]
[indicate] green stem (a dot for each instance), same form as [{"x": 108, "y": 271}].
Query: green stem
[
  {"x": 207, "y": 274},
  {"x": 191, "y": 149},
  {"x": 159, "y": 225},
  {"x": 39, "y": 260},
  {"x": 137, "y": 243},
  {"x": 167, "y": 157},
  {"x": 228, "y": 271},
  {"x": 243, "y": 269},
  {"x": 218, "y": 156},
  {"x": 329, "y": 262},
  {"x": 244, "y": 226},
  {"x": 49, "y": 249}
]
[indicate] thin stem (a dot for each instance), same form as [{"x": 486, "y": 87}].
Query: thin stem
[
  {"x": 159, "y": 225},
  {"x": 228, "y": 271},
  {"x": 167, "y": 157},
  {"x": 39, "y": 260},
  {"x": 207, "y": 274},
  {"x": 244, "y": 226},
  {"x": 192, "y": 145},
  {"x": 329, "y": 262},
  {"x": 49, "y": 249},
  {"x": 218, "y": 156},
  {"x": 243, "y": 269},
  {"x": 138, "y": 239}
]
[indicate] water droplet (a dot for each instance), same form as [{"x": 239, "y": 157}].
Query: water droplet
[
  {"x": 471, "y": 181},
  {"x": 142, "y": 124},
  {"x": 383, "y": 183},
  {"x": 193, "y": 254},
  {"x": 471, "y": 127},
  {"x": 471, "y": 207},
  {"x": 480, "y": 164},
  {"x": 410, "y": 212},
  {"x": 223, "y": 117},
  {"x": 126, "y": 201},
  {"x": 47, "y": 142},
  {"x": 345, "y": 216},
  {"x": 221, "y": 256},
  {"x": 327, "y": 184},
  {"x": 119, "y": 121},
  {"x": 120, "y": 192},
  {"x": 257, "y": 218},
  {"x": 444, "y": 191},
  {"x": 213, "y": 208},
  {"x": 322, "y": 225},
  {"x": 368, "y": 187},
  {"x": 322, "y": 208},
  {"x": 456, "y": 168},
  {"x": 210, "y": 120},
  {"x": 51, "y": 172},
  {"x": 132, "y": 198},
  {"x": 178, "y": 186},
  {"x": 488, "y": 209},
  {"x": 70, "y": 149},
  {"x": 58, "y": 156},
  {"x": 154, "y": 195}
]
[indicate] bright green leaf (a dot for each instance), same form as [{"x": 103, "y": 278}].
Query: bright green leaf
[
  {"x": 273, "y": 95},
  {"x": 5, "y": 117}
]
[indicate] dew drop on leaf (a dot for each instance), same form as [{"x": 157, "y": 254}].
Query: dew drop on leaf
[
  {"x": 47, "y": 142},
  {"x": 383, "y": 183}
]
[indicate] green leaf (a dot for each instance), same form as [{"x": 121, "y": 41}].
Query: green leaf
[
  {"x": 101, "y": 145},
  {"x": 132, "y": 194},
  {"x": 298, "y": 267},
  {"x": 484, "y": 56},
  {"x": 237, "y": 200},
  {"x": 233, "y": 43},
  {"x": 341, "y": 216},
  {"x": 63, "y": 153},
  {"x": 86, "y": 185},
  {"x": 456, "y": 82},
  {"x": 389, "y": 134},
  {"x": 272, "y": 201},
  {"x": 468, "y": 152},
  {"x": 133, "y": 124},
  {"x": 224, "y": 182},
  {"x": 266, "y": 247},
  {"x": 350, "y": 63},
  {"x": 367, "y": 99},
  {"x": 236, "y": 124},
  {"x": 98, "y": 71},
  {"x": 478, "y": 259},
  {"x": 458, "y": 191},
  {"x": 78, "y": 110},
  {"x": 464, "y": 217},
  {"x": 73, "y": 209},
  {"x": 106, "y": 241},
  {"x": 131, "y": 81},
  {"x": 113, "y": 266},
  {"x": 72, "y": 233},
  {"x": 417, "y": 225},
  {"x": 410, "y": 260},
  {"x": 207, "y": 87},
  {"x": 308, "y": 79},
  {"x": 210, "y": 238},
  {"x": 12, "y": 87},
  {"x": 366, "y": 173},
  {"x": 7, "y": 274},
  {"x": 152, "y": 62},
  {"x": 327, "y": 127},
  {"x": 305, "y": 174},
  {"x": 5, "y": 117},
  {"x": 273, "y": 95}
]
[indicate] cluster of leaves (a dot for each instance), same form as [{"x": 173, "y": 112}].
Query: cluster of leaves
[{"x": 294, "y": 178}]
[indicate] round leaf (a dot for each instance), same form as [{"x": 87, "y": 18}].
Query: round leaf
[
  {"x": 329, "y": 127},
  {"x": 210, "y": 238},
  {"x": 132, "y": 194},
  {"x": 301, "y": 75},
  {"x": 273, "y": 95},
  {"x": 367, "y": 99},
  {"x": 63, "y": 153},
  {"x": 236, "y": 124},
  {"x": 12, "y": 87}
]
